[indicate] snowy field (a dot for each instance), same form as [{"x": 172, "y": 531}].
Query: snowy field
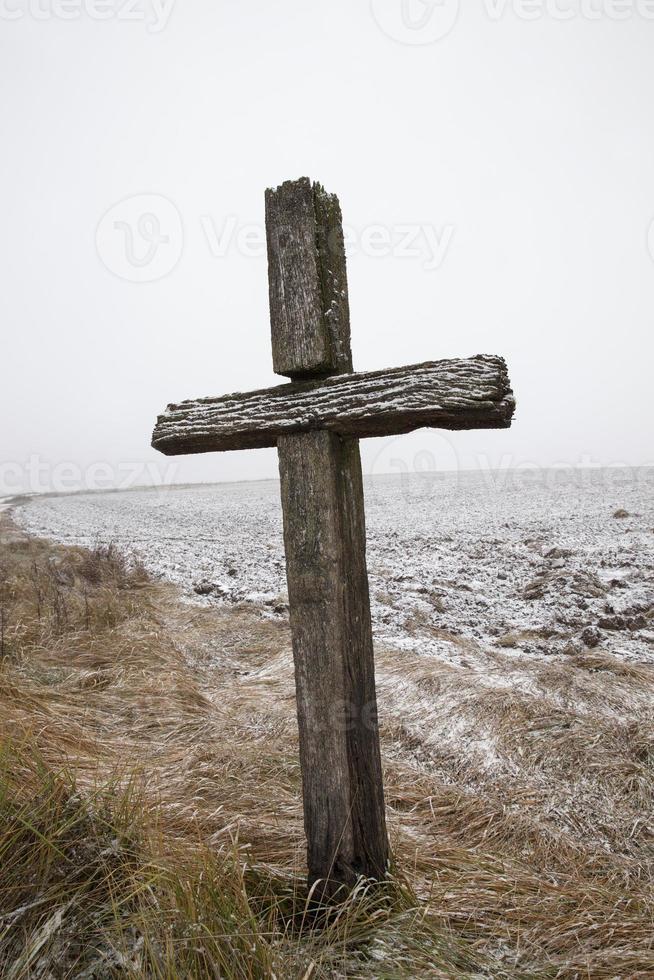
[
  {"x": 530, "y": 564},
  {"x": 514, "y": 654}
]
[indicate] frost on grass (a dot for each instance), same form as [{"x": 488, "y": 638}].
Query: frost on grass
[
  {"x": 487, "y": 590},
  {"x": 516, "y": 686}
]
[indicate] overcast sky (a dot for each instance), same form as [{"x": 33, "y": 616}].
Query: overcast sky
[{"x": 495, "y": 167}]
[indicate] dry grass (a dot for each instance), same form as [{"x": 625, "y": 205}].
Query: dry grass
[{"x": 150, "y": 794}]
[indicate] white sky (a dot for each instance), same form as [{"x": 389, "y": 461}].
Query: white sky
[{"x": 523, "y": 148}]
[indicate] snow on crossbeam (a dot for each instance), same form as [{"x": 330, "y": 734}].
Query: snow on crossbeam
[{"x": 472, "y": 393}]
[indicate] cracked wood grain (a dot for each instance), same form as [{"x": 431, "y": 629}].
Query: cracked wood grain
[
  {"x": 473, "y": 393},
  {"x": 309, "y": 306}
]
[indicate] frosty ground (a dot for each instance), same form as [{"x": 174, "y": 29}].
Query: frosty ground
[
  {"x": 460, "y": 564},
  {"x": 513, "y": 619}
]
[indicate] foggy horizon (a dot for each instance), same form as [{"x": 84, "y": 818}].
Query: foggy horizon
[
  {"x": 507, "y": 214},
  {"x": 529, "y": 474}
]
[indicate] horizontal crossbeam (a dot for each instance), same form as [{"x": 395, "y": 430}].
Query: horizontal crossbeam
[{"x": 473, "y": 393}]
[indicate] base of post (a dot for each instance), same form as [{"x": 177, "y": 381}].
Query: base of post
[{"x": 324, "y": 536}]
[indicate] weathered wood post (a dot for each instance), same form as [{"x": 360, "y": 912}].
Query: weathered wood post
[{"x": 325, "y": 542}]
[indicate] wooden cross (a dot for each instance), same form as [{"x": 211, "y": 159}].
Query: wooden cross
[{"x": 316, "y": 422}]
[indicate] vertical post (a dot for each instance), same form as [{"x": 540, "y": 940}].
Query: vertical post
[
  {"x": 325, "y": 542},
  {"x": 309, "y": 308}
]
